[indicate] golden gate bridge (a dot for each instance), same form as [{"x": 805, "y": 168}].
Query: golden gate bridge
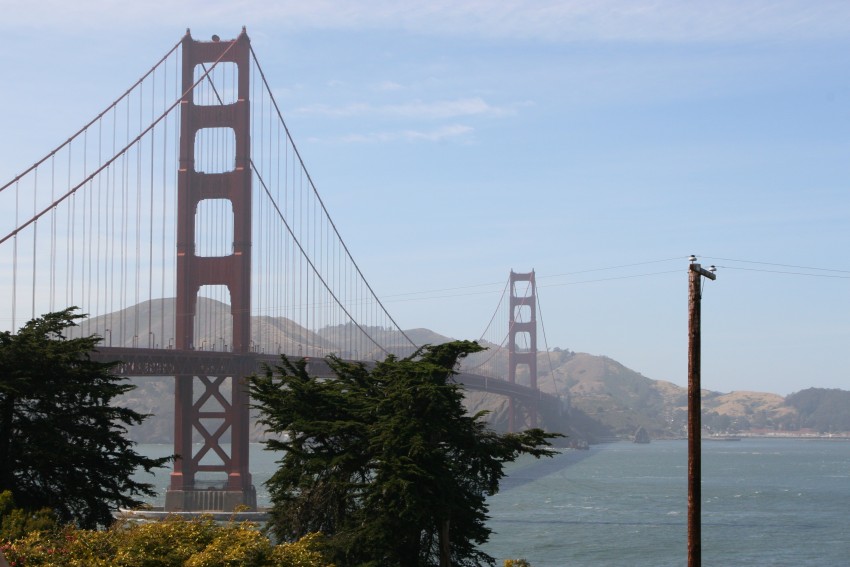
[{"x": 183, "y": 220}]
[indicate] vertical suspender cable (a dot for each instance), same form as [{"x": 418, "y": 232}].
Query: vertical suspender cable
[
  {"x": 99, "y": 230},
  {"x": 111, "y": 107},
  {"x": 68, "y": 247},
  {"x": 272, "y": 233},
  {"x": 300, "y": 304},
  {"x": 137, "y": 177},
  {"x": 151, "y": 216},
  {"x": 165, "y": 141},
  {"x": 110, "y": 241},
  {"x": 261, "y": 252},
  {"x": 125, "y": 207},
  {"x": 52, "y": 236},
  {"x": 34, "y": 239},
  {"x": 15, "y": 265},
  {"x": 84, "y": 232},
  {"x": 88, "y": 212},
  {"x": 138, "y": 255}
]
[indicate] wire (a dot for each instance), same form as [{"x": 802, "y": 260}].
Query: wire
[
  {"x": 472, "y": 286},
  {"x": 312, "y": 185},
  {"x": 617, "y": 267},
  {"x": 614, "y": 278},
  {"x": 95, "y": 119},
  {"x": 546, "y": 345},
  {"x": 496, "y": 312},
  {"x": 121, "y": 154},
  {"x": 443, "y": 289},
  {"x": 778, "y": 265},
  {"x": 833, "y": 276}
]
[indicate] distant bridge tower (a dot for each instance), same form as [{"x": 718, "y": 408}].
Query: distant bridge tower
[
  {"x": 522, "y": 338},
  {"x": 211, "y": 414}
]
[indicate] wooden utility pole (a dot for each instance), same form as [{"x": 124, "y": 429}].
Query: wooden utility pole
[{"x": 694, "y": 413}]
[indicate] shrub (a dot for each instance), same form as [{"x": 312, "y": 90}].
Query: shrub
[
  {"x": 174, "y": 542},
  {"x": 236, "y": 546},
  {"x": 306, "y": 552},
  {"x": 16, "y": 523}
]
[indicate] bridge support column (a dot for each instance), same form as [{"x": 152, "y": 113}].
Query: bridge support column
[
  {"x": 206, "y": 418},
  {"x": 522, "y": 340}
]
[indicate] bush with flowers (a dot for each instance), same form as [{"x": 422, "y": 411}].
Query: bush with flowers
[{"x": 199, "y": 542}]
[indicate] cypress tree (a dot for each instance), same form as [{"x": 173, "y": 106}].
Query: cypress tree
[
  {"x": 385, "y": 461},
  {"x": 62, "y": 438}
]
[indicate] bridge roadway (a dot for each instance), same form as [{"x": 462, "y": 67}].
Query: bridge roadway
[{"x": 171, "y": 362}]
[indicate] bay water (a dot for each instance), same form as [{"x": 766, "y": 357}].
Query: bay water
[{"x": 765, "y": 502}]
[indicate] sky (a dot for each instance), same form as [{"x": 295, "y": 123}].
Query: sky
[{"x": 598, "y": 143}]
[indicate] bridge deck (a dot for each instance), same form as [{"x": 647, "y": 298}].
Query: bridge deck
[{"x": 172, "y": 362}]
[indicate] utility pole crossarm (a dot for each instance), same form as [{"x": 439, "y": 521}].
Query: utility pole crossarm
[{"x": 703, "y": 272}]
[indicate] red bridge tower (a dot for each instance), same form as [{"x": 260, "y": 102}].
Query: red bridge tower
[
  {"x": 211, "y": 414},
  {"x": 523, "y": 328}
]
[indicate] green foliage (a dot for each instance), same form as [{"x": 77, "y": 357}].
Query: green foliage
[
  {"x": 234, "y": 548},
  {"x": 62, "y": 441},
  {"x": 306, "y": 552},
  {"x": 15, "y": 523},
  {"x": 825, "y": 410},
  {"x": 385, "y": 461},
  {"x": 170, "y": 543}
]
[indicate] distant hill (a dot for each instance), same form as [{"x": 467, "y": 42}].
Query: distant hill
[
  {"x": 820, "y": 409},
  {"x": 606, "y": 400},
  {"x": 609, "y": 401},
  {"x": 743, "y": 411}
]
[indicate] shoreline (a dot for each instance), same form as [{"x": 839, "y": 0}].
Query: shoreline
[{"x": 740, "y": 436}]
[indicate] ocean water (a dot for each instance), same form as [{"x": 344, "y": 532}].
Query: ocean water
[
  {"x": 770, "y": 502},
  {"x": 766, "y": 502}
]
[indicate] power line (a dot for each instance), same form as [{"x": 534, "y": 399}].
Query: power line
[
  {"x": 398, "y": 296},
  {"x": 446, "y": 296},
  {"x": 614, "y": 278},
  {"x": 834, "y": 276},
  {"x": 444, "y": 289},
  {"x": 778, "y": 265},
  {"x": 500, "y": 283},
  {"x": 616, "y": 267}
]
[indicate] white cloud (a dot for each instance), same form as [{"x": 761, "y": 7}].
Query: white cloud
[
  {"x": 414, "y": 109},
  {"x": 550, "y": 20},
  {"x": 436, "y": 135},
  {"x": 389, "y": 86},
  {"x": 352, "y": 109},
  {"x": 446, "y": 109}
]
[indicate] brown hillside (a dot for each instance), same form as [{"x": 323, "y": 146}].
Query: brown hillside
[
  {"x": 621, "y": 398},
  {"x": 605, "y": 397}
]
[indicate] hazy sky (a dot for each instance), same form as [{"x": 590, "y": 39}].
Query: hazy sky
[{"x": 453, "y": 141}]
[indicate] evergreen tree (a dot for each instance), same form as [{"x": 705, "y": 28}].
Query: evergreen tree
[
  {"x": 385, "y": 461},
  {"x": 62, "y": 441}
]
